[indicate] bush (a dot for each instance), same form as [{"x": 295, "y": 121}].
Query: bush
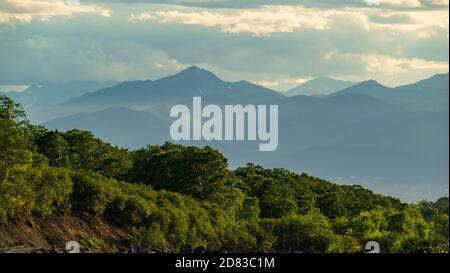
[{"x": 91, "y": 194}]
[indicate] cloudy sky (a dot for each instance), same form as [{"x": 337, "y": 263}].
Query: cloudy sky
[{"x": 278, "y": 44}]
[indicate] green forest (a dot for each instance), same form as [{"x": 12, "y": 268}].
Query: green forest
[{"x": 172, "y": 196}]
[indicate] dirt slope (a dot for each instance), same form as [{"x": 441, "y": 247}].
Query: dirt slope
[{"x": 40, "y": 234}]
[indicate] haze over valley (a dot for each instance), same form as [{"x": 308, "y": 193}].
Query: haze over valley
[{"x": 391, "y": 140}]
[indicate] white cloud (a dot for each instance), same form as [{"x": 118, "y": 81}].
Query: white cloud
[
  {"x": 144, "y": 16},
  {"x": 381, "y": 64},
  {"x": 267, "y": 83},
  {"x": 395, "y": 45},
  {"x": 159, "y": 66},
  {"x": 16, "y": 88},
  {"x": 397, "y": 3},
  {"x": 439, "y": 2},
  {"x": 298, "y": 80},
  {"x": 285, "y": 19},
  {"x": 26, "y": 10},
  {"x": 268, "y": 19}
]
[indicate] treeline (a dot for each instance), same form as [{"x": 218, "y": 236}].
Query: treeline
[{"x": 173, "y": 196}]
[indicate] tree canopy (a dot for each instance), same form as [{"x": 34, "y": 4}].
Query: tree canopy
[{"x": 172, "y": 196}]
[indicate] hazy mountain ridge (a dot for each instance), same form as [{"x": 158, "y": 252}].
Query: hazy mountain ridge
[
  {"x": 425, "y": 95},
  {"x": 320, "y": 86},
  {"x": 190, "y": 82},
  {"x": 118, "y": 125},
  {"x": 53, "y": 93},
  {"x": 351, "y": 136}
]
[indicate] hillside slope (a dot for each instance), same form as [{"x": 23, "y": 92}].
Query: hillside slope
[{"x": 41, "y": 233}]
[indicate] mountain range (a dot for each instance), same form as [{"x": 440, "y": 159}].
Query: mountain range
[
  {"x": 321, "y": 86},
  {"x": 392, "y": 140},
  {"x": 190, "y": 82},
  {"x": 53, "y": 93},
  {"x": 427, "y": 95}
]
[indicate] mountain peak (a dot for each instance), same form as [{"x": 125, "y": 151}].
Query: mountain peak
[
  {"x": 244, "y": 82},
  {"x": 319, "y": 86},
  {"x": 322, "y": 78},
  {"x": 196, "y": 73},
  {"x": 371, "y": 83},
  {"x": 437, "y": 81},
  {"x": 438, "y": 77},
  {"x": 194, "y": 69},
  {"x": 368, "y": 87}
]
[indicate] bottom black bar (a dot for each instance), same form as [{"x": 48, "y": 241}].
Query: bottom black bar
[{"x": 276, "y": 262}]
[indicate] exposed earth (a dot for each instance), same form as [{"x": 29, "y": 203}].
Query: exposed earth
[{"x": 47, "y": 234}]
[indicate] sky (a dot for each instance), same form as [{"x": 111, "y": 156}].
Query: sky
[{"x": 278, "y": 44}]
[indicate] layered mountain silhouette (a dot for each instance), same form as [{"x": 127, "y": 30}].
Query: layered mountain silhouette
[
  {"x": 427, "y": 95},
  {"x": 368, "y": 134},
  {"x": 52, "y": 93},
  {"x": 321, "y": 86},
  {"x": 119, "y": 125},
  {"x": 190, "y": 82}
]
